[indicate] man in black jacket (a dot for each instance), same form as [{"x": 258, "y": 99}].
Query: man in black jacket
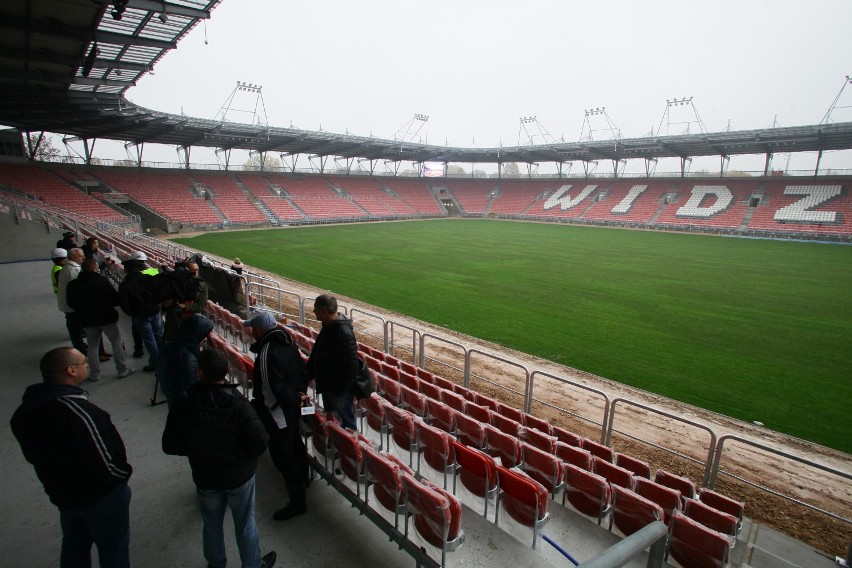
[
  {"x": 280, "y": 381},
  {"x": 216, "y": 427},
  {"x": 334, "y": 360},
  {"x": 137, "y": 302},
  {"x": 93, "y": 299},
  {"x": 80, "y": 459}
]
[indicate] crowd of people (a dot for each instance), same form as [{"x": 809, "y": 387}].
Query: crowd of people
[{"x": 78, "y": 454}]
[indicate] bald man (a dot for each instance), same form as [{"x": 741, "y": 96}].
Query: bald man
[{"x": 79, "y": 458}]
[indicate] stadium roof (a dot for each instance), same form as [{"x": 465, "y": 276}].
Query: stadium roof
[{"x": 65, "y": 66}]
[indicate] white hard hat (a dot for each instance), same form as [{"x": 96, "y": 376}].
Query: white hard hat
[
  {"x": 138, "y": 255},
  {"x": 59, "y": 253}
]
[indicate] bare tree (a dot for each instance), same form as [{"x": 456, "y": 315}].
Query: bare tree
[{"x": 40, "y": 147}]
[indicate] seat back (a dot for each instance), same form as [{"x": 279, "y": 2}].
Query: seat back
[
  {"x": 587, "y": 492},
  {"x": 349, "y": 454},
  {"x": 537, "y": 438},
  {"x": 453, "y": 400},
  {"x": 542, "y": 466},
  {"x": 693, "y": 545},
  {"x": 316, "y": 424},
  {"x": 631, "y": 512},
  {"x": 612, "y": 473},
  {"x": 409, "y": 380},
  {"x": 503, "y": 446},
  {"x": 425, "y": 375},
  {"x": 506, "y": 425},
  {"x": 711, "y": 518},
  {"x": 666, "y": 497},
  {"x": 443, "y": 383},
  {"x": 478, "y": 413},
  {"x": 723, "y": 503},
  {"x": 469, "y": 431},
  {"x": 574, "y": 455},
  {"x": 435, "y": 512},
  {"x": 408, "y": 368},
  {"x": 429, "y": 390},
  {"x": 478, "y": 475},
  {"x": 637, "y": 466},
  {"x": 412, "y": 401},
  {"x": 539, "y": 424},
  {"x": 486, "y": 401},
  {"x": 523, "y": 499},
  {"x": 373, "y": 408},
  {"x": 436, "y": 451},
  {"x": 390, "y": 389},
  {"x": 390, "y": 371},
  {"x": 599, "y": 450},
  {"x": 682, "y": 484},
  {"x": 401, "y": 423},
  {"x": 384, "y": 478},
  {"x": 510, "y": 412},
  {"x": 440, "y": 415},
  {"x": 567, "y": 437}
]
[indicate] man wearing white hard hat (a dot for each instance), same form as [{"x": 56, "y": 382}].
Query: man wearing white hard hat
[
  {"x": 137, "y": 302},
  {"x": 59, "y": 256}
]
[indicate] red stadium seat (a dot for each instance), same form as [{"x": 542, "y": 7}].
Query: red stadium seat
[
  {"x": 612, "y": 473},
  {"x": 599, "y": 450},
  {"x": 539, "y": 424},
  {"x": 574, "y": 455},
  {"x": 522, "y": 499},
  {"x": 724, "y": 504},
  {"x": 385, "y": 481},
  {"x": 711, "y": 518},
  {"x": 440, "y": 415},
  {"x": 510, "y": 412},
  {"x": 401, "y": 423},
  {"x": 568, "y": 437},
  {"x": 587, "y": 492},
  {"x": 682, "y": 484},
  {"x": 637, "y": 466},
  {"x": 506, "y": 425},
  {"x": 537, "y": 438},
  {"x": 478, "y": 475},
  {"x": 351, "y": 458},
  {"x": 413, "y": 401},
  {"x": 437, "y": 452},
  {"x": 693, "y": 545},
  {"x": 631, "y": 512},
  {"x": 436, "y": 514},
  {"x": 666, "y": 497},
  {"x": 469, "y": 431},
  {"x": 544, "y": 467}
]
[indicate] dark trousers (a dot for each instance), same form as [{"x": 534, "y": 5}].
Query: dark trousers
[
  {"x": 106, "y": 524},
  {"x": 75, "y": 332},
  {"x": 287, "y": 449}
]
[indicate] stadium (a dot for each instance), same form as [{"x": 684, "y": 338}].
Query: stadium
[{"x": 529, "y": 432}]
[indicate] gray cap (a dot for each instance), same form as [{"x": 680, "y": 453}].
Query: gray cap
[{"x": 262, "y": 321}]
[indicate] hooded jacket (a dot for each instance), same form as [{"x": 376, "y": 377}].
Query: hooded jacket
[
  {"x": 177, "y": 363},
  {"x": 334, "y": 358},
  {"x": 93, "y": 298},
  {"x": 135, "y": 300},
  {"x": 216, "y": 427},
  {"x": 77, "y": 452},
  {"x": 279, "y": 371}
]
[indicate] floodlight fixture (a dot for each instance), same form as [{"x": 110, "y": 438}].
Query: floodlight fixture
[
  {"x": 421, "y": 117},
  {"x": 163, "y": 17}
]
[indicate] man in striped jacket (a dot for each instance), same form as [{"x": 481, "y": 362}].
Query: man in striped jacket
[{"x": 80, "y": 459}]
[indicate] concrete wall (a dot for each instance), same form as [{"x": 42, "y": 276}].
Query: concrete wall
[{"x": 26, "y": 240}]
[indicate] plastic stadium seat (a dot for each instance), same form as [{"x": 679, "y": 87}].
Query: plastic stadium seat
[
  {"x": 385, "y": 481},
  {"x": 537, "y": 438},
  {"x": 408, "y": 368},
  {"x": 478, "y": 413},
  {"x": 477, "y": 473},
  {"x": 409, "y": 380},
  {"x": 693, "y": 545},
  {"x": 666, "y": 497},
  {"x": 390, "y": 389},
  {"x": 574, "y": 455},
  {"x": 455, "y": 401},
  {"x": 316, "y": 428},
  {"x": 468, "y": 394},
  {"x": 506, "y": 425},
  {"x": 440, "y": 415},
  {"x": 599, "y": 450},
  {"x": 374, "y": 364},
  {"x": 373, "y": 414},
  {"x": 443, "y": 383},
  {"x": 429, "y": 390},
  {"x": 390, "y": 371},
  {"x": 682, "y": 484},
  {"x": 542, "y": 466},
  {"x": 612, "y": 473},
  {"x": 631, "y": 512},
  {"x": 351, "y": 458},
  {"x": 724, "y": 504},
  {"x": 425, "y": 375},
  {"x": 510, "y": 412},
  {"x": 587, "y": 492},
  {"x": 436, "y": 514},
  {"x": 469, "y": 431},
  {"x": 712, "y": 518},
  {"x": 401, "y": 423},
  {"x": 413, "y": 401},
  {"x": 523, "y": 499},
  {"x": 436, "y": 451},
  {"x": 503, "y": 446},
  {"x": 567, "y": 437},
  {"x": 637, "y": 466},
  {"x": 486, "y": 401},
  {"x": 539, "y": 424}
]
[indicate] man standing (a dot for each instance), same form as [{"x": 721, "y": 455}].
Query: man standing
[
  {"x": 334, "y": 360},
  {"x": 94, "y": 299},
  {"x": 69, "y": 272},
  {"x": 216, "y": 428},
  {"x": 59, "y": 256},
  {"x": 280, "y": 381},
  {"x": 186, "y": 306},
  {"x": 67, "y": 241},
  {"x": 80, "y": 459},
  {"x": 137, "y": 302}
]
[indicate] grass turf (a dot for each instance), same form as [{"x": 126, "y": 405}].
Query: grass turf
[{"x": 754, "y": 329}]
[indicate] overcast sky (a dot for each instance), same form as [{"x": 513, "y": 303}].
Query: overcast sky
[{"x": 475, "y": 68}]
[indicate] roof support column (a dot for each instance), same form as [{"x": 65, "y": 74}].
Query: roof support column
[
  {"x": 819, "y": 159},
  {"x": 648, "y": 168},
  {"x": 499, "y": 170},
  {"x": 186, "y": 151},
  {"x": 767, "y": 163},
  {"x": 140, "y": 147},
  {"x": 227, "y": 153},
  {"x": 684, "y": 160},
  {"x": 293, "y": 159},
  {"x": 724, "y": 162},
  {"x": 33, "y": 148}
]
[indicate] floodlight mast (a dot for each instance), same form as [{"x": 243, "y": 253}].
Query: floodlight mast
[
  {"x": 412, "y": 128},
  {"x": 531, "y": 132},
  {"x": 244, "y": 92},
  {"x": 597, "y": 114},
  {"x": 686, "y": 104},
  {"x": 834, "y": 106}
]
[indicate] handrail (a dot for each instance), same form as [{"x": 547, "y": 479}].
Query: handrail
[
  {"x": 603, "y": 423},
  {"x": 653, "y": 535},
  {"x": 527, "y": 384}
]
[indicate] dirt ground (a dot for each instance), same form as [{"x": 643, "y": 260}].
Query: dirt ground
[{"x": 766, "y": 482}]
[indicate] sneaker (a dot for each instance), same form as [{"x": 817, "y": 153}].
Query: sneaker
[
  {"x": 289, "y": 512},
  {"x": 126, "y": 373},
  {"x": 268, "y": 560},
  {"x": 149, "y": 368},
  {"x": 138, "y": 354}
]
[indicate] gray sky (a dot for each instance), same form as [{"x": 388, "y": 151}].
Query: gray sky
[{"x": 476, "y": 67}]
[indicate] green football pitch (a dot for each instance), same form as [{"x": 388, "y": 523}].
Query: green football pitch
[{"x": 758, "y": 330}]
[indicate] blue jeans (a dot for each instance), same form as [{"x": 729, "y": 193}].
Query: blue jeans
[
  {"x": 343, "y": 406},
  {"x": 106, "y": 524},
  {"x": 151, "y": 330},
  {"x": 211, "y": 503}
]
